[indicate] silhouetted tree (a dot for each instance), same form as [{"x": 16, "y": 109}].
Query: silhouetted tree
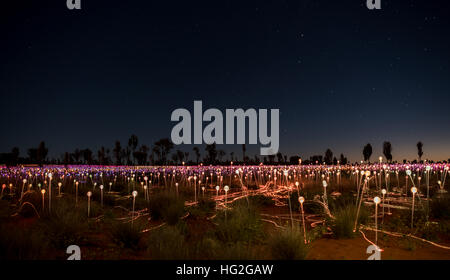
[
  {"x": 42, "y": 152},
  {"x": 197, "y": 153},
  {"x": 271, "y": 159},
  {"x": 294, "y": 159},
  {"x": 163, "y": 146},
  {"x": 279, "y": 157},
  {"x": 101, "y": 155},
  {"x": 141, "y": 155},
  {"x": 212, "y": 153},
  {"x": 420, "y": 150},
  {"x": 221, "y": 154},
  {"x": 180, "y": 155},
  {"x": 133, "y": 143},
  {"x": 367, "y": 152},
  {"x": 67, "y": 158},
  {"x": 118, "y": 152},
  {"x": 328, "y": 157},
  {"x": 387, "y": 151},
  {"x": 343, "y": 159},
  {"x": 87, "y": 155}
]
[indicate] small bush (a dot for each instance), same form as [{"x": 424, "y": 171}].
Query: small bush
[
  {"x": 242, "y": 223},
  {"x": 167, "y": 206},
  {"x": 167, "y": 243},
  {"x": 126, "y": 235},
  {"x": 28, "y": 244},
  {"x": 65, "y": 225},
  {"x": 289, "y": 244},
  {"x": 440, "y": 207},
  {"x": 343, "y": 224}
]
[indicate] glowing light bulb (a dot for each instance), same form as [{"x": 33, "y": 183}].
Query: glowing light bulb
[
  {"x": 376, "y": 199},
  {"x": 413, "y": 190},
  {"x": 134, "y": 193},
  {"x": 301, "y": 199},
  {"x": 89, "y": 194}
]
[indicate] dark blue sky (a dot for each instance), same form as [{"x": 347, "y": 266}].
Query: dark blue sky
[{"x": 341, "y": 75}]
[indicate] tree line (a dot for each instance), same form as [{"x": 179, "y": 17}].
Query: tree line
[{"x": 163, "y": 153}]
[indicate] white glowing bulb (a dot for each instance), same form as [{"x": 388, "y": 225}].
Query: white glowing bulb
[
  {"x": 42, "y": 191},
  {"x": 413, "y": 190},
  {"x": 301, "y": 199},
  {"x": 226, "y": 188},
  {"x": 101, "y": 187},
  {"x": 383, "y": 191},
  {"x": 24, "y": 181},
  {"x": 324, "y": 183},
  {"x": 376, "y": 199},
  {"x": 134, "y": 193},
  {"x": 89, "y": 194},
  {"x": 217, "y": 188},
  {"x": 408, "y": 172}
]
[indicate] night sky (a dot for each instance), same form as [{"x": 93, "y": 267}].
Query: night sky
[{"x": 341, "y": 75}]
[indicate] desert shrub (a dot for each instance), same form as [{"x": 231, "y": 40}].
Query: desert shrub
[
  {"x": 440, "y": 207},
  {"x": 65, "y": 224},
  {"x": 22, "y": 244},
  {"x": 241, "y": 223},
  {"x": 343, "y": 224},
  {"x": 288, "y": 245},
  {"x": 341, "y": 201},
  {"x": 208, "y": 248},
  {"x": 167, "y": 243},
  {"x": 344, "y": 220},
  {"x": 429, "y": 231},
  {"x": 167, "y": 206},
  {"x": 126, "y": 235}
]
